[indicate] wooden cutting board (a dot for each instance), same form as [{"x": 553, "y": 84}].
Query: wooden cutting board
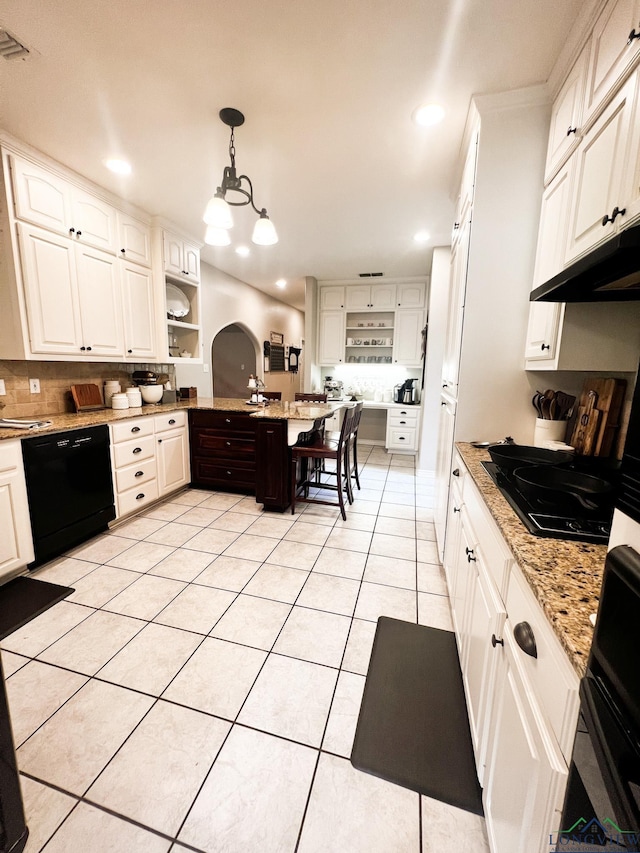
[
  {"x": 596, "y": 437},
  {"x": 87, "y": 397}
]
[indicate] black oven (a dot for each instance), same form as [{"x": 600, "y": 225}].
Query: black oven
[
  {"x": 602, "y": 803},
  {"x": 629, "y": 494}
]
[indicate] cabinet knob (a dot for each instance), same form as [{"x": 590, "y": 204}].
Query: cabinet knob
[
  {"x": 633, "y": 35},
  {"x": 456, "y": 225},
  {"x": 78, "y": 233},
  {"x": 159, "y": 441},
  {"x": 129, "y": 351},
  {"x": 138, "y": 474},
  {"x": 470, "y": 555},
  {"x": 72, "y": 230},
  {"x": 172, "y": 420},
  {"x": 614, "y": 215},
  {"x": 228, "y": 444},
  {"x": 525, "y": 638},
  {"x": 457, "y": 509},
  {"x": 571, "y": 130},
  {"x": 495, "y": 641},
  {"x": 227, "y": 420},
  {"x": 122, "y": 250},
  {"x": 140, "y": 496},
  {"x": 82, "y": 349},
  {"x": 545, "y": 346},
  {"x": 456, "y": 472},
  {"x": 228, "y": 473}
]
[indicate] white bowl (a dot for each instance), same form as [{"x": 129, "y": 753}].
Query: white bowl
[{"x": 151, "y": 393}]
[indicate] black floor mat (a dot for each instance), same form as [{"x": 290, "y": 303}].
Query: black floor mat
[
  {"x": 22, "y": 599},
  {"x": 413, "y": 727}
]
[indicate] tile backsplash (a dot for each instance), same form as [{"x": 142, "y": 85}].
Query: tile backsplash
[{"x": 56, "y": 379}]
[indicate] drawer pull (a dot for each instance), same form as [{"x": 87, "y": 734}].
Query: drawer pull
[
  {"x": 403, "y": 412},
  {"x": 140, "y": 496},
  {"x": 470, "y": 555},
  {"x": 456, "y": 472},
  {"x": 137, "y": 450},
  {"x": 227, "y": 420},
  {"x": 138, "y": 474},
  {"x": 228, "y": 444},
  {"x": 633, "y": 35},
  {"x": 524, "y": 637},
  {"x": 135, "y": 429},
  {"x": 404, "y": 423},
  {"x": 401, "y": 438},
  {"x": 495, "y": 641},
  {"x": 172, "y": 421},
  {"x": 228, "y": 473},
  {"x": 457, "y": 509}
]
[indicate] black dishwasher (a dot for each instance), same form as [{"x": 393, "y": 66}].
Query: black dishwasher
[{"x": 70, "y": 488}]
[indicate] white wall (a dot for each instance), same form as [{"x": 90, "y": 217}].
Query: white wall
[
  {"x": 227, "y": 300},
  {"x": 436, "y": 334}
]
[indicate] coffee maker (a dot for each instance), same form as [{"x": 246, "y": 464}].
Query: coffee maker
[
  {"x": 333, "y": 388},
  {"x": 405, "y": 393}
]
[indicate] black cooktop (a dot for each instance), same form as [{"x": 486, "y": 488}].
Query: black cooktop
[{"x": 544, "y": 518}]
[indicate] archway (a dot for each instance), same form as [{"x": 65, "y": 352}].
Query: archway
[{"x": 233, "y": 359}]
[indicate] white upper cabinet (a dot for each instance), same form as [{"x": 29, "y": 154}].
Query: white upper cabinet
[
  {"x": 331, "y": 337},
  {"x": 614, "y": 47},
  {"x": 181, "y": 259},
  {"x": 381, "y": 297},
  {"x": 138, "y": 312},
  {"x": 407, "y": 337},
  {"x": 40, "y": 197},
  {"x": 598, "y": 206},
  {"x": 411, "y": 295},
  {"x": 331, "y": 297},
  {"x": 134, "y": 240},
  {"x": 93, "y": 221},
  {"x": 100, "y": 302},
  {"x": 565, "y": 128}
]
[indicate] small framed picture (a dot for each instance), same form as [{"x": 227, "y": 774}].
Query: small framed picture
[{"x": 277, "y": 338}]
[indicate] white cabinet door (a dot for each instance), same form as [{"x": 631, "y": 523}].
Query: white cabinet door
[
  {"x": 450, "y": 556},
  {"x": 486, "y": 618},
  {"x": 100, "y": 302},
  {"x": 191, "y": 258},
  {"x": 600, "y": 173},
  {"x": 612, "y": 52},
  {"x": 410, "y": 295},
  {"x": 51, "y": 291},
  {"x": 93, "y": 221},
  {"x": 173, "y": 460},
  {"x": 383, "y": 297},
  {"x": 39, "y": 196},
  {"x": 407, "y": 337},
  {"x": 444, "y": 454},
  {"x": 138, "y": 312},
  {"x": 16, "y": 543},
  {"x": 358, "y": 297},
  {"x": 566, "y": 116},
  {"x": 331, "y": 297},
  {"x": 331, "y": 337},
  {"x": 525, "y": 773},
  {"x": 455, "y": 309},
  {"x": 134, "y": 238},
  {"x": 543, "y": 331},
  {"x": 173, "y": 252}
]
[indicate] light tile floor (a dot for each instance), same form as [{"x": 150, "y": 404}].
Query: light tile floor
[{"x": 200, "y": 689}]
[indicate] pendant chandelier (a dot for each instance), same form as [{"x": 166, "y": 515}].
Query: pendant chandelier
[{"x": 231, "y": 191}]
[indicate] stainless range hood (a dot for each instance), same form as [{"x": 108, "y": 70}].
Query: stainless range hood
[{"x": 610, "y": 273}]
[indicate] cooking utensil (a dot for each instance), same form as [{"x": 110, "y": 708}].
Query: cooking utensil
[
  {"x": 564, "y": 486},
  {"x": 564, "y": 404},
  {"x": 536, "y": 400},
  {"x": 584, "y": 434},
  {"x": 511, "y": 456}
]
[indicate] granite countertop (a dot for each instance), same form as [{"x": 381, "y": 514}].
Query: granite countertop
[
  {"x": 565, "y": 576},
  {"x": 273, "y": 411}
]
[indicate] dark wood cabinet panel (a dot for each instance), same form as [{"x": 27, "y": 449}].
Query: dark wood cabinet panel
[{"x": 273, "y": 465}]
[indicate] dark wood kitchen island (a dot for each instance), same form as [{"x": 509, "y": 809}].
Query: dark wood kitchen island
[{"x": 239, "y": 447}]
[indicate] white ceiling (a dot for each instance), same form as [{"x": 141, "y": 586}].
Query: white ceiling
[{"x": 327, "y": 87}]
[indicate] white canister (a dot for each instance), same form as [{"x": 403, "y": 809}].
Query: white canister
[
  {"x": 111, "y": 387},
  {"x": 119, "y": 401},
  {"x": 387, "y": 395},
  {"x": 134, "y": 397},
  {"x": 546, "y": 430}
]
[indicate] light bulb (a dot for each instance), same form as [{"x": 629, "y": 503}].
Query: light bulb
[
  {"x": 217, "y": 236},
  {"x": 218, "y": 212},
  {"x": 264, "y": 232}
]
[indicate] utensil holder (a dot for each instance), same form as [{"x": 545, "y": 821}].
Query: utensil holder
[{"x": 546, "y": 430}]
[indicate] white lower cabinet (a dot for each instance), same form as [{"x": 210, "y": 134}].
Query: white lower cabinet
[
  {"x": 522, "y": 708},
  {"x": 402, "y": 429},
  {"x": 16, "y": 543},
  {"x": 150, "y": 458}
]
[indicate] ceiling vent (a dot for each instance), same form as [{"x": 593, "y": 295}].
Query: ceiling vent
[
  {"x": 370, "y": 274},
  {"x": 10, "y": 47}
]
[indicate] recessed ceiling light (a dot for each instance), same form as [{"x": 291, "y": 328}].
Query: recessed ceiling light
[
  {"x": 243, "y": 251},
  {"x": 120, "y": 167},
  {"x": 428, "y": 114},
  {"x": 422, "y": 237},
  {"x": 281, "y": 283}
]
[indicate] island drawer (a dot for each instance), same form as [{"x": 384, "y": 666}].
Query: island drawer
[
  {"x": 210, "y": 472},
  {"x": 211, "y": 442},
  {"x": 223, "y": 421}
]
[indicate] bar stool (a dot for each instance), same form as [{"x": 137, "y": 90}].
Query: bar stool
[
  {"x": 320, "y": 451},
  {"x": 351, "y": 451}
]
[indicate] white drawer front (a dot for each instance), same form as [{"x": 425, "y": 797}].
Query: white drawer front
[
  {"x": 134, "y": 451},
  {"x": 135, "y": 428},
  {"x": 401, "y": 438},
  {"x": 138, "y": 497},
  {"x": 170, "y": 420},
  {"x": 10, "y": 455},
  {"x": 135, "y": 475},
  {"x": 404, "y": 416},
  {"x": 554, "y": 680}
]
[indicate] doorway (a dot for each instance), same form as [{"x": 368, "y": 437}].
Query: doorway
[{"x": 233, "y": 359}]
